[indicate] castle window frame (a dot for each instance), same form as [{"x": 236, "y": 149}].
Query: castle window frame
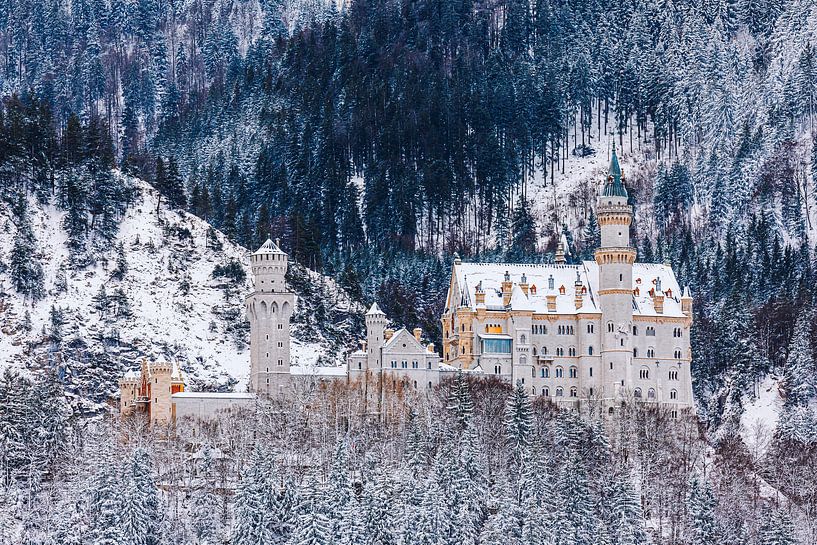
[
  {"x": 546, "y": 392},
  {"x": 677, "y": 353},
  {"x": 611, "y": 327},
  {"x": 635, "y": 352},
  {"x": 637, "y": 393},
  {"x": 644, "y": 373},
  {"x": 574, "y": 392},
  {"x": 544, "y": 373},
  {"x": 590, "y": 350},
  {"x": 590, "y": 328},
  {"x": 573, "y": 372},
  {"x": 572, "y": 351},
  {"x": 673, "y": 374},
  {"x": 635, "y": 331},
  {"x": 673, "y": 394},
  {"x": 650, "y": 331},
  {"x": 651, "y": 352},
  {"x": 651, "y": 393},
  {"x": 560, "y": 372},
  {"x": 560, "y": 392}
]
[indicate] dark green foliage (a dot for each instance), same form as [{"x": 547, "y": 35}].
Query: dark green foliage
[{"x": 232, "y": 270}]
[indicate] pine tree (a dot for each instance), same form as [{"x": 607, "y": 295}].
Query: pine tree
[
  {"x": 518, "y": 424},
  {"x": 701, "y": 523},
  {"x": 523, "y": 227},
  {"x": 776, "y": 529},
  {"x": 25, "y": 269},
  {"x": 798, "y": 375},
  {"x": 459, "y": 400},
  {"x": 109, "y": 515}
]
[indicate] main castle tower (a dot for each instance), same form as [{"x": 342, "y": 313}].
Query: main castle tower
[
  {"x": 269, "y": 308},
  {"x": 615, "y": 258}
]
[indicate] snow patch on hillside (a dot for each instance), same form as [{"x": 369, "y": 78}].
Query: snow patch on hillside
[
  {"x": 176, "y": 307},
  {"x": 760, "y": 415}
]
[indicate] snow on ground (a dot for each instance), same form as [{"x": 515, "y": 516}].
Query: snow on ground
[
  {"x": 177, "y": 308},
  {"x": 760, "y": 415}
]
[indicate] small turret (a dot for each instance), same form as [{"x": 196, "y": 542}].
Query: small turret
[
  {"x": 614, "y": 186},
  {"x": 480, "y": 295},
  {"x": 524, "y": 284}
]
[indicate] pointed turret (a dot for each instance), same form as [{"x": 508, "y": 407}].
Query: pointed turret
[
  {"x": 614, "y": 186},
  {"x": 375, "y": 310}
]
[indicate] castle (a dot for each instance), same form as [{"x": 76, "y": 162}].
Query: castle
[
  {"x": 609, "y": 330},
  {"x": 606, "y": 331}
]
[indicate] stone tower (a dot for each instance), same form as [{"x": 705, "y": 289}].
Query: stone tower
[
  {"x": 375, "y": 335},
  {"x": 615, "y": 259},
  {"x": 269, "y": 308}
]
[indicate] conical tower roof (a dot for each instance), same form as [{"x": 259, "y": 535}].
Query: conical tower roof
[
  {"x": 375, "y": 311},
  {"x": 614, "y": 186},
  {"x": 269, "y": 247}
]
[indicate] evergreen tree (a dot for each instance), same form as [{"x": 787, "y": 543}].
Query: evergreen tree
[
  {"x": 703, "y": 528},
  {"x": 518, "y": 424},
  {"x": 24, "y": 265},
  {"x": 798, "y": 375},
  {"x": 776, "y": 529}
]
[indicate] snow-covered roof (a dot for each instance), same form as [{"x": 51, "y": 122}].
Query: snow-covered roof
[
  {"x": 317, "y": 370},
  {"x": 269, "y": 247},
  {"x": 375, "y": 310},
  {"x": 467, "y": 276},
  {"x": 213, "y": 395}
]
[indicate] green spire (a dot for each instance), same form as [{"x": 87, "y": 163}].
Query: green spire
[{"x": 614, "y": 187}]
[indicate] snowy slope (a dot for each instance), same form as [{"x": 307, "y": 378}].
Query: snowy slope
[{"x": 177, "y": 308}]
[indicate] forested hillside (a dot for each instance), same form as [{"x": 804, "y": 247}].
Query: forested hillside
[{"x": 379, "y": 137}]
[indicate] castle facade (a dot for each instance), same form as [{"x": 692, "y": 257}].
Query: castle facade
[
  {"x": 606, "y": 331},
  {"x": 610, "y": 330}
]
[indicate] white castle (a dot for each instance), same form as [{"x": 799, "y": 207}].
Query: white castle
[{"x": 608, "y": 331}]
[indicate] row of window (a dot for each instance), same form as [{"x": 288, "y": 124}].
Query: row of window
[
  {"x": 404, "y": 364},
  {"x": 561, "y": 351},
  {"x": 564, "y": 330}
]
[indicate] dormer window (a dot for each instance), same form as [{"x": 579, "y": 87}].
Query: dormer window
[{"x": 561, "y": 290}]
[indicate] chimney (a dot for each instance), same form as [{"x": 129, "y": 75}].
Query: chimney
[
  {"x": 431, "y": 347},
  {"x": 387, "y": 334},
  {"x": 686, "y": 302},
  {"x": 363, "y": 346},
  {"x": 658, "y": 298},
  {"x": 507, "y": 286},
  {"x": 551, "y": 298},
  {"x": 524, "y": 284},
  {"x": 578, "y": 298},
  {"x": 480, "y": 294},
  {"x": 418, "y": 333}
]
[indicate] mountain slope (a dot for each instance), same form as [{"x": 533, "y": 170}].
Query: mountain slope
[{"x": 154, "y": 294}]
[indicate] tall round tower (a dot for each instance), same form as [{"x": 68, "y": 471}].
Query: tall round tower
[
  {"x": 269, "y": 308},
  {"x": 615, "y": 259},
  {"x": 375, "y": 336}
]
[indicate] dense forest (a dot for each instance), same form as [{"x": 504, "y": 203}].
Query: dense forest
[{"x": 476, "y": 462}]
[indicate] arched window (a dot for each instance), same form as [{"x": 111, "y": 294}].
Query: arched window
[
  {"x": 544, "y": 350},
  {"x": 651, "y": 393},
  {"x": 559, "y": 372},
  {"x": 635, "y": 331},
  {"x": 590, "y": 328},
  {"x": 534, "y": 350},
  {"x": 610, "y": 327},
  {"x": 523, "y": 360},
  {"x": 644, "y": 373},
  {"x": 560, "y": 351},
  {"x": 673, "y": 374},
  {"x": 560, "y": 392},
  {"x": 651, "y": 352},
  {"x": 635, "y": 352},
  {"x": 572, "y": 350},
  {"x": 677, "y": 354},
  {"x": 589, "y": 350},
  {"x": 673, "y": 394},
  {"x": 523, "y": 339},
  {"x": 574, "y": 392},
  {"x": 621, "y": 342},
  {"x": 546, "y": 392},
  {"x": 533, "y": 390},
  {"x": 637, "y": 393},
  {"x": 574, "y": 372}
]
